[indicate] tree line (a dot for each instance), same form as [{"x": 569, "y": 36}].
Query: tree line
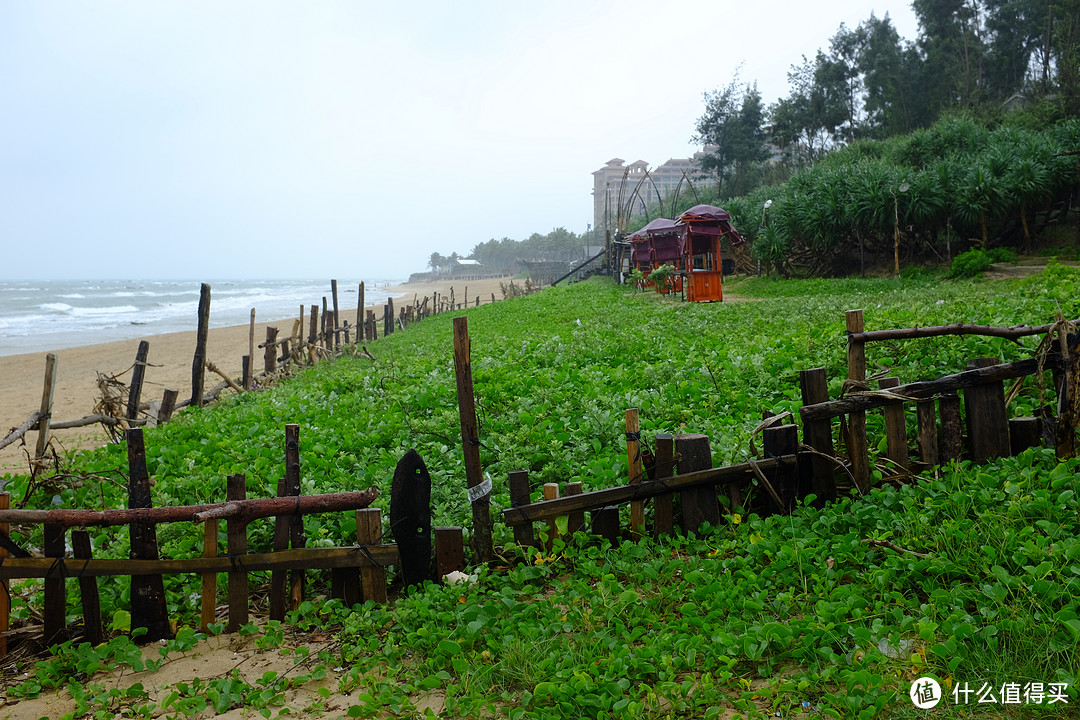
[
  {"x": 559, "y": 245},
  {"x": 970, "y": 55}
]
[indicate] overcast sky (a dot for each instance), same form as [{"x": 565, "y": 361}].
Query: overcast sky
[{"x": 267, "y": 139}]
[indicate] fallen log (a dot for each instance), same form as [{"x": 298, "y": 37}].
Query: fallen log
[{"x": 243, "y": 510}]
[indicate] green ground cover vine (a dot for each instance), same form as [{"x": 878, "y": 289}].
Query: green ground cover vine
[{"x": 760, "y": 616}]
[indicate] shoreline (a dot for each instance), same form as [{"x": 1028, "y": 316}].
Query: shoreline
[{"x": 169, "y": 366}]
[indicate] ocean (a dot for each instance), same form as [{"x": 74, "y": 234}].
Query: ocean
[{"x": 38, "y": 316}]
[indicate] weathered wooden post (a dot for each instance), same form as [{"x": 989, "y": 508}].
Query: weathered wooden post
[
  {"x": 551, "y": 492},
  {"x": 88, "y": 589},
  {"x": 54, "y": 615},
  {"x": 369, "y": 532},
  {"x": 633, "y": 459},
  {"x": 286, "y": 529},
  {"x": 236, "y": 538},
  {"x": 251, "y": 346},
  {"x": 1024, "y": 432},
  {"x": 360, "y": 313},
  {"x": 45, "y": 413},
  {"x": 168, "y": 405},
  {"x": 520, "y": 496},
  {"x": 198, "y": 363},
  {"x": 313, "y": 330},
  {"x": 605, "y": 523},
  {"x": 208, "y": 612},
  {"x": 896, "y": 448},
  {"x": 987, "y": 418},
  {"x": 817, "y": 434},
  {"x": 138, "y": 373},
  {"x": 270, "y": 351},
  {"x": 664, "y": 467},
  {"x": 777, "y": 441},
  {"x": 479, "y": 488},
  {"x": 858, "y": 451},
  {"x": 575, "y": 519},
  {"x": 148, "y": 608},
  {"x": 449, "y": 550},
  {"x": 1067, "y": 380},
  {"x": 337, "y": 316},
  {"x": 952, "y": 434},
  {"x": 324, "y": 327},
  {"x": 699, "y": 503},
  {"x": 295, "y": 524},
  {"x": 926, "y": 415}
]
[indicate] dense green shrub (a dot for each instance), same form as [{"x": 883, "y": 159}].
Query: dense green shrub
[{"x": 976, "y": 261}]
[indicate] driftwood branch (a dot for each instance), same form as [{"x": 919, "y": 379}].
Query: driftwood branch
[
  {"x": 95, "y": 419},
  {"x": 243, "y": 510},
  {"x": 1010, "y": 333},
  {"x": 231, "y": 383},
  {"x": 16, "y": 433},
  {"x": 893, "y": 546}
]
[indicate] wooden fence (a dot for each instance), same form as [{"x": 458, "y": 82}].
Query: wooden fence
[
  {"x": 357, "y": 572},
  {"x": 973, "y": 425}
]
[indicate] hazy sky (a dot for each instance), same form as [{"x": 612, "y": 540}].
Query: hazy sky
[{"x": 265, "y": 139}]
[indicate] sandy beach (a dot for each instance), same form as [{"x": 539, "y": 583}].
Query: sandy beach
[{"x": 169, "y": 366}]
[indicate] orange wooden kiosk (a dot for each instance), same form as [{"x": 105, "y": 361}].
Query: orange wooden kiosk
[{"x": 703, "y": 227}]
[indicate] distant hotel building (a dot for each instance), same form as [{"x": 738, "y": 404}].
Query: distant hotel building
[{"x": 665, "y": 178}]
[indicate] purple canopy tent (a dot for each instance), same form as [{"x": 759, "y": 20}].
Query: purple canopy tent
[
  {"x": 665, "y": 237},
  {"x": 709, "y": 219}
]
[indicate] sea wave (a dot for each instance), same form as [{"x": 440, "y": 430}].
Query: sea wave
[{"x": 66, "y": 309}]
